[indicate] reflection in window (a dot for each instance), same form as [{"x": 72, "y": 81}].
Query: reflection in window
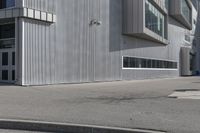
[
  {"x": 7, "y": 43},
  {"x": 186, "y": 10},
  {"x": 7, "y": 36},
  {"x": 7, "y": 3},
  {"x": 187, "y": 38},
  {"x": 154, "y": 19},
  {"x": 166, "y": 4},
  {"x": 7, "y": 31},
  {"x": 10, "y": 3}
]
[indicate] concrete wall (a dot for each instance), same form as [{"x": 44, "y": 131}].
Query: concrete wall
[{"x": 72, "y": 51}]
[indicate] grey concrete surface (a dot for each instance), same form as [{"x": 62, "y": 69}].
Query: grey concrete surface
[{"x": 130, "y": 104}]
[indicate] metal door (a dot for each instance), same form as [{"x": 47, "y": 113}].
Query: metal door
[{"x": 7, "y": 65}]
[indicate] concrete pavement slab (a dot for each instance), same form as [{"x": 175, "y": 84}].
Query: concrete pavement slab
[{"x": 142, "y": 104}]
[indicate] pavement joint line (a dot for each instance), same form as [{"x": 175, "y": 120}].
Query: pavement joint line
[{"x": 43, "y": 126}]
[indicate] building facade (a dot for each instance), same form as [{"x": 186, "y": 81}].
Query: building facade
[
  {"x": 196, "y": 40},
  {"x": 76, "y": 41}
]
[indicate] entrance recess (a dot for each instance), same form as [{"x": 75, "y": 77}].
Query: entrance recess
[{"x": 7, "y": 52}]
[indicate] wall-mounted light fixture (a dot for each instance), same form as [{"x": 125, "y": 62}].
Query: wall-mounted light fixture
[{"x": 95, "y": 22}]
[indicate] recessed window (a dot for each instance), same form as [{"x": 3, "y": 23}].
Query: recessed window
[
  {"x": 133, "y": 62},
  {"x": 7, "y": 31},
  {"x": 13, "y": 58},
  {"x": 166, "y": 4},
  {"x": 187, "y": 38},
  {"x": 154, "y": 19},
  {"x": 13, "y": 75},
  {"x": 7, "y": 3},
  {"x": 7, "y": 43},
  {"x": 186, "y": 10},
  {"x": 4, "y": 74},
  {"x": 4, "y": 58}
]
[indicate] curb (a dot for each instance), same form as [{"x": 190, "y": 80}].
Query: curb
[{"x": 65, "y": 127}]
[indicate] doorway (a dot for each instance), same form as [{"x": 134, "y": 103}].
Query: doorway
[
  {"x": 7, "y": 65},
  {"x": 7, "y": 51}
]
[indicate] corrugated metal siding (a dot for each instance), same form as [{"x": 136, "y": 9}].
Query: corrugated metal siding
[
  {"x": 133, "y": 16},
  {"x": 72, "y": 51},
  {"x": 143, "y": 48},
  {"x": 44, "y": 5},
  {"x": 39, "y": 52}
]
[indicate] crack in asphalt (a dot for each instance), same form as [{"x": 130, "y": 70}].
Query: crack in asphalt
[{"x": 123, "y": 98}]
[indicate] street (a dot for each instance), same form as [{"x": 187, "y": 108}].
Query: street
[{"x": 142, "y": 104}]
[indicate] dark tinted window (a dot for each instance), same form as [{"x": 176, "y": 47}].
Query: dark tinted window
[
  {"x": 7, "y": 43},
  {"x": 5, "y": 75},
  {"x": 7, "y": 3},
  {"x": 7, "y": 31},
  {"x": 154, "y": 19},
  {"x": 13, "y": 74},
  {"x": 5, "y": 59},
  {"x": 133, "y": 62},
  {"x": 13, "y": 58},
  {"x": 10, "y": 3}
]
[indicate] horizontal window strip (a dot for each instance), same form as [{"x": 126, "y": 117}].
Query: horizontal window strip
[{"x": 144, "y": 63}]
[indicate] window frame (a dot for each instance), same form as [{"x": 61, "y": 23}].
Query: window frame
[
  {"x": 160, "y": 15},
  {"x": 158, "y": 64},
  {"x": 12, "y": 39},
  {"x": 188, "y": 5}
]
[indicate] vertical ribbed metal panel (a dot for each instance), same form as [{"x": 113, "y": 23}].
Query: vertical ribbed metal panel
[
  {"x": 71, "y": 50},
  {"x": 133, "y": 16},
  {"x": 143, "y": 48},
  {"x": 39, "y": 47},
  {"x": 44, "y": 5}
]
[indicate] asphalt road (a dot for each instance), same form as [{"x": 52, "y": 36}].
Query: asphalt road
[{"x": 133, "y": 104}]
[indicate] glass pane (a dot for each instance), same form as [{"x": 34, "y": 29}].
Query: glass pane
[
  {"x": 4, "y": 59},
  {"x": 144, "y": 63},
  {"x": 125, "y": 62},
  {"x": 13, "y": 58},
  {"x": 7, "y": 43},
  {"x": 186, "y": 10},
  {"x": 10, "y": 3},
  {"x": 4, "y": 74},
  {"x": 2, "y": 4},
  {"x": 7, "y": 3},
  {"x": 154, "y": 19},
  {"x": 154, "y": 64},
  {"x": 133, "y": 62},
  {"x": 13, "y": 74},
  {"x": 7, "y": 31},
  {"x": 149, "y": 63}
]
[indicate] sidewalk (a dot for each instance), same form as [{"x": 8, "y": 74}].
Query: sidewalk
[{"x": 127, "y": 104}]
